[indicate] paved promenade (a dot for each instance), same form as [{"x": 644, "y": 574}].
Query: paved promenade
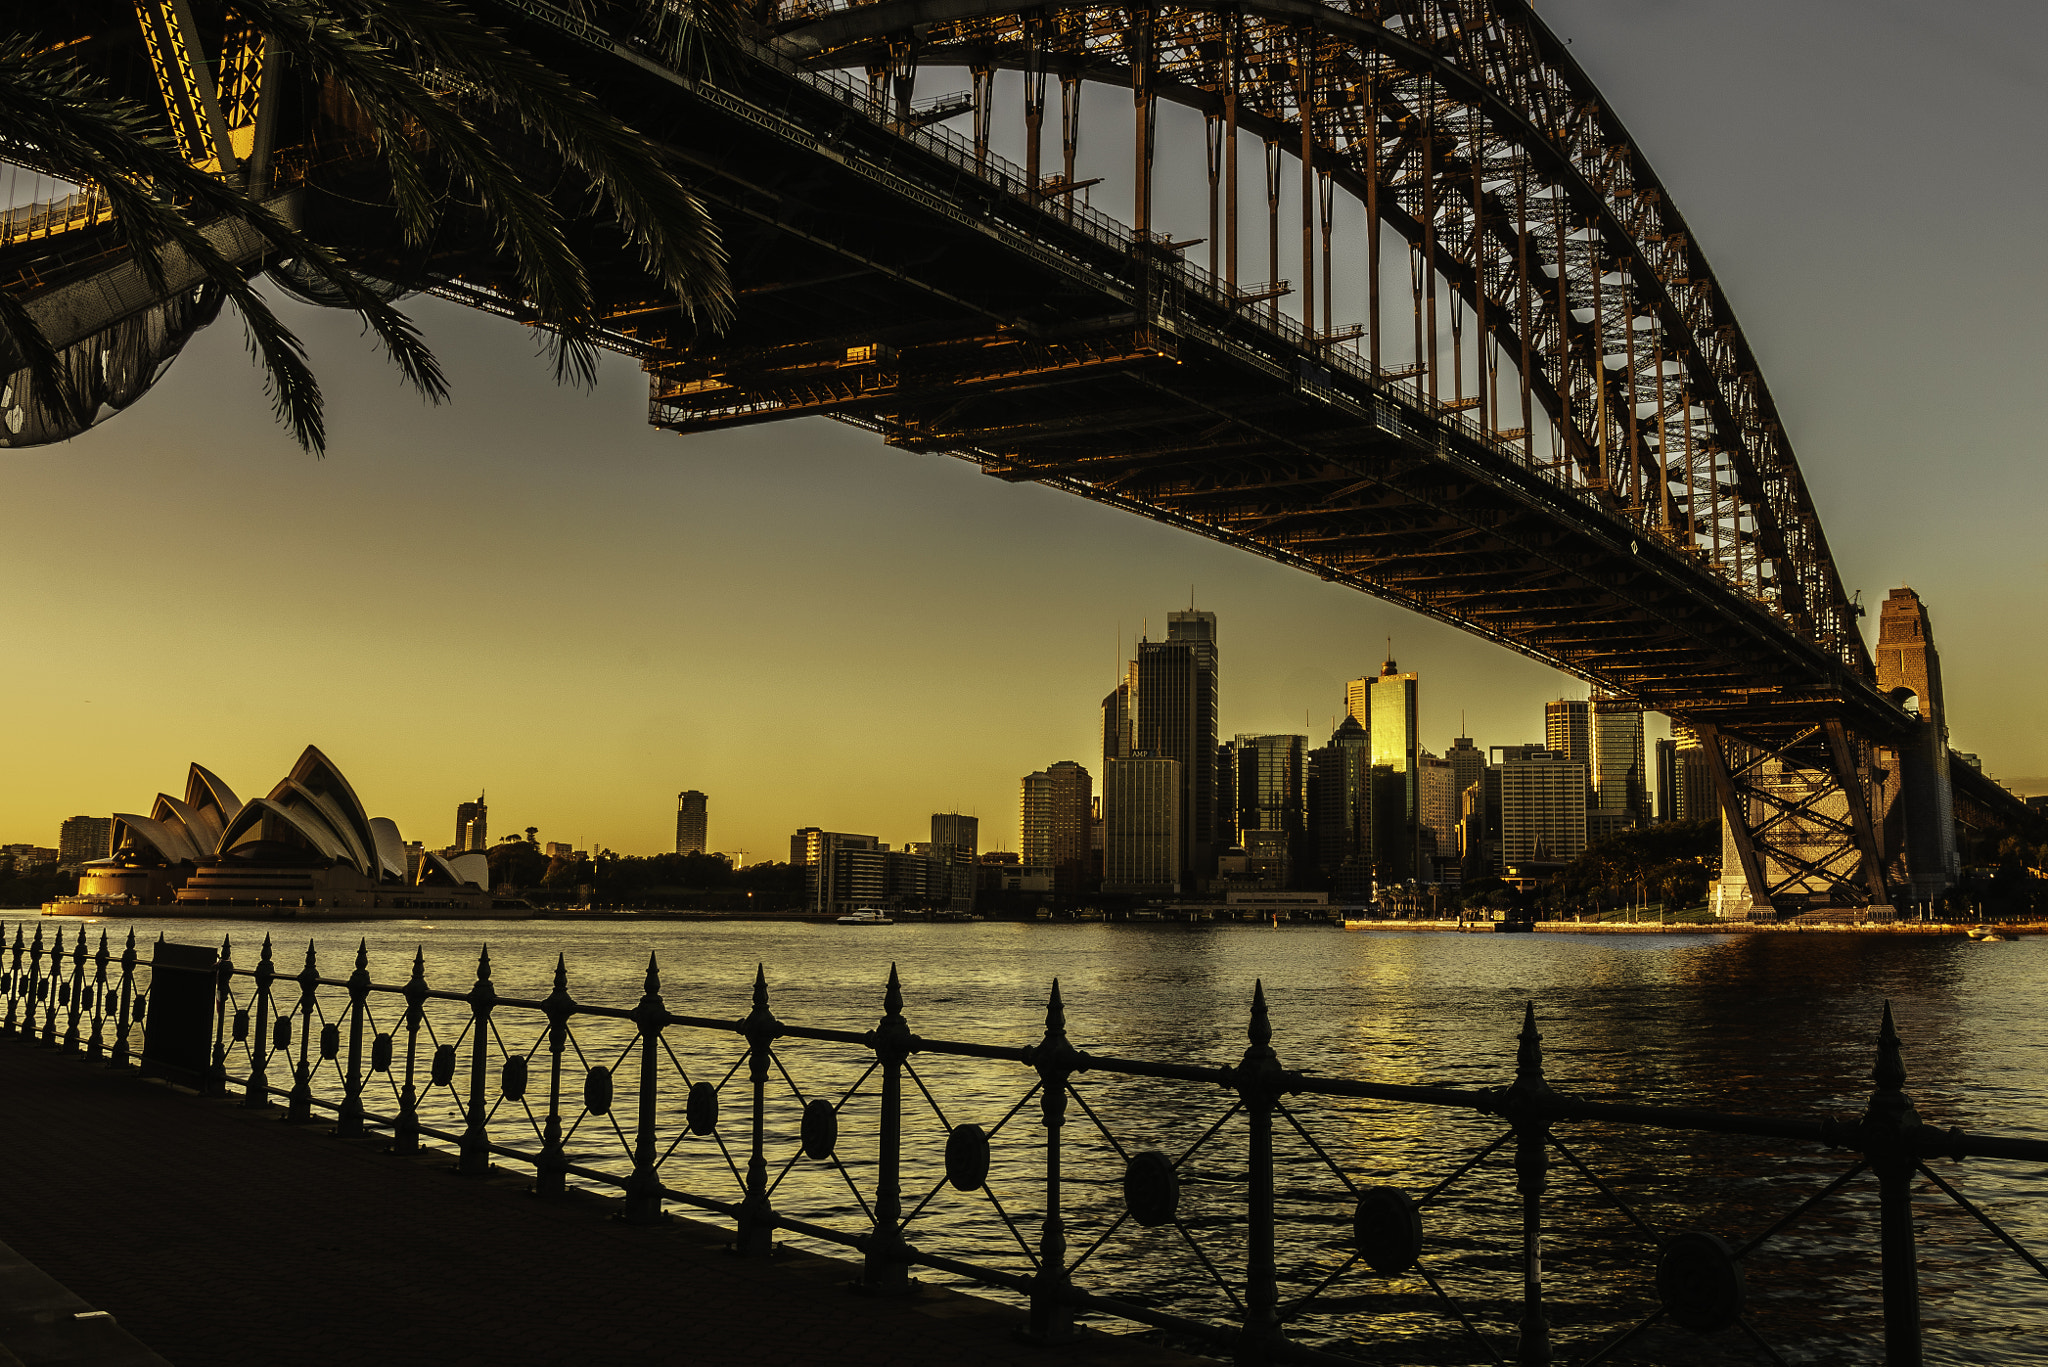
[{"x": 220, "y": 1237}]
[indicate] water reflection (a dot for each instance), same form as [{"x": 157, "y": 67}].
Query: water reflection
[{"x": 1761, "y": 1024}]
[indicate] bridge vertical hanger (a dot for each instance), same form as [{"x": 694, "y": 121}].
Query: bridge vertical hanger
[
  {"x": 1326, "y": 209},
  {"x": 1429, "y": 203},
  {"x": 903, "y": 77},
  {"x": 1564, "y": 330},
  {"x": 1635, "y": 454},
  {"x": 185, "y": 79},
  {"x": 1070, "y": 131},
  {"x": 1522, "y": 306},
  {"x": 1034, "y": 95},
  {"x": 1233, "y": 56},
  {"x": 1305, "y": 113},
  {"x": 1273, "y": 230},
  {"x": 1604, "y": 475},
  {"x": 1663, "y": 443},
  {"x": 1146, "y": 113},
  {"x": 1212, "y": 150},
  {"x": 1372, "y": 225},
  {"x": 1477, "y": 251},
  {"x": 983, "y": 77}
]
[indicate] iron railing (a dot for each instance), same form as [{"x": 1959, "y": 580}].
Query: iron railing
[{"x": 631, "y": 1097}]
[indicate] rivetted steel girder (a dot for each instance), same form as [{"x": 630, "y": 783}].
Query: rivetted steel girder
[{"x": 1484, "y": 82}]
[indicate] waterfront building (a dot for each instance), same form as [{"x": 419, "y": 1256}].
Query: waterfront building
[
  {"x": 843, "y": 872},
  {"x": 692, "y": 822},
  {"x": 26, "y": 857},
  {"x": 82, "y": 839},
  {"x": 1120, "y": 716},
  {"x": 1225, "y": 834},
  {"x": 472, "y": 825},
  {"x": 1542, "y": 812},
  {"x": 1141, "y": 806},
  {"x": 1176, "y": 719},
  {"x": 309, "y": 847},
  {"x": 1054, "y": 821}
]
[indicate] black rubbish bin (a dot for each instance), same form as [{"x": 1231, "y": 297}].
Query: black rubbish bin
[{"x": 177, "y": 1036}]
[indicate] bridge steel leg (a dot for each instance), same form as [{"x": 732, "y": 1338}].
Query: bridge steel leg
[{"x": 1799, "y": 818}]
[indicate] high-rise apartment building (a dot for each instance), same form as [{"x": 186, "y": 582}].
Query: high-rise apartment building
[
  {"x": 1226, "y": 797},
  {"x": 1542, "y": 810},
  {"x": 692, "y": 822},
  {"x": 1176, "y": 720},
  {"x": 1141, "y": 845},
  {"x": 1054, "y": 825},
  {"x": 1568, "y": 731},
  {"x": 1620, "y": 782},
  {"x": 1438, "y": 814},
  {"x": 82, "y": 839},
  {"x": 1120, "y": 716},
  {"x": 472, "y": 825}
]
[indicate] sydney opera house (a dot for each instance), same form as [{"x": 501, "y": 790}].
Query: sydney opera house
[{"x": 308, "y": 850}]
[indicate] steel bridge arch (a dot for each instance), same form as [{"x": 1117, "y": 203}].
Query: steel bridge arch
[{"x": 1600, "y": 191}]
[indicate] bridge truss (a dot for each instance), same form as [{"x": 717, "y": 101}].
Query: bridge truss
[{"x": 1565, "y": 445}]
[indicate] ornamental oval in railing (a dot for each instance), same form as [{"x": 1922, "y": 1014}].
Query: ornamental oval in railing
[
  {"x": 967, "y": 1158},
  {"x": 241, "y": 1024},
  {"x": 1151, "y": 1188},
  {"x": 512, "y": 1081},
  {"x": 1386, "y": 1229},
  {"x": 141, "y": 1000},
  {"x": 820, "y": 1129},
  {"x": 63, "y": 994},
  {"x": 330, "y": 1041},
  {"x": 380, "y": 1053},
  {"x": 597, "y": 1091},
  {"x": 280, "y": 1034},
  {"x": 1700, "y": 1282},
  {"x": 700, "y": 1112},
  {"x": 443, "y": 1070}
]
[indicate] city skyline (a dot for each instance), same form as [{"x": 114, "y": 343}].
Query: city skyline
[{"x": 491, "y": 613}]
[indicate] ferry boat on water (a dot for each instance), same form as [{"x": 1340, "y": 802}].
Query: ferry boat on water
[{"x": 866, "y": 916}]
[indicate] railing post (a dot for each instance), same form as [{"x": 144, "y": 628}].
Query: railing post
[
  {"x": 550, "y": 1172},
  {"x": 256, "y": 1092},
  {"x": 14, "y": 979},
  {"x": 77, "y": 1002},
  {"x": 35, "y": 981},
  {"x": 223, "y": 984},
  {"x": 122, "y": 1022},
  {"x": 756, "y": 1234},
  {"x": 348, "y": 1123},
  {"x": 1528, "y": 1112},
  {"x": 475, "y": 1157},
  {"x": 1055, "y": 1060},
  {"x": 643, "y": 1188},
  {"x": 97, "y": 1046},
  {"x": 887, "y": 1265},
  {"x": 405, "y": 1136},
  {"x": 50, "y": 981},
  {"x": 1887, "y": 1143},
  {"x": 300, "y": 1107},
  {"x": 1260, "y": 1082}
]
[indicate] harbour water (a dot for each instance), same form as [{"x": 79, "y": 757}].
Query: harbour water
[{"x": 1764, "y": 1025}]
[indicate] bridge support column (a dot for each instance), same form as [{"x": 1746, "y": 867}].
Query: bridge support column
[{"x": 1796, "y": 819}]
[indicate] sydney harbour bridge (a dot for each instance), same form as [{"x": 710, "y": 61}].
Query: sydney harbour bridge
[{"x": 1468, "y": 357}]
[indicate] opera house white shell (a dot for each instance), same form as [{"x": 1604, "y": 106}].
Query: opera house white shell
[{"x": 308, "y": 849}]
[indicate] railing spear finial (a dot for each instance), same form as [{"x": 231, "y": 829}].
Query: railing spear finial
[
  {"x": 892, "y": 996},
  {"x": 1260, "y": 1032},
  {"x": 652, "y": 983},
  {"x": 760, "y": 986},
  {"x": 1529, "y": 1047},
  {"x": 363, "y": 954},
  {"x": 483, "y": 964},
  {"x": 562, "y": 974}
]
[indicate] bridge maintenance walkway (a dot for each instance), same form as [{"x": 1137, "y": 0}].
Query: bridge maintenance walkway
[{"x": 221, "y": 1236}]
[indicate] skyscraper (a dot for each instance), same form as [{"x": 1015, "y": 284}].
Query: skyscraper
[
  {"x": 692, "y": 822},
  {"x": 1386, "y": 705},
  {"x": 1339, "y": 807},
  {"x": 1619, "y": 780},
  {"x": 1055, "y": 811},
  {"x": 1438, "y": 815},
  {"x": 1141, "y": 844},
  {"x": 957, "y": 832},
  {"x": 1568, "y": 731},
  {"x": 1120, "y": 716},
  {"x": 1272, "y": 815},
  {"x": 1176, "y": 719},
  {"x": 1543, "y": 810},
  {"x": 1685, "y": 785},
  {"x": 472, "y": 825}
]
